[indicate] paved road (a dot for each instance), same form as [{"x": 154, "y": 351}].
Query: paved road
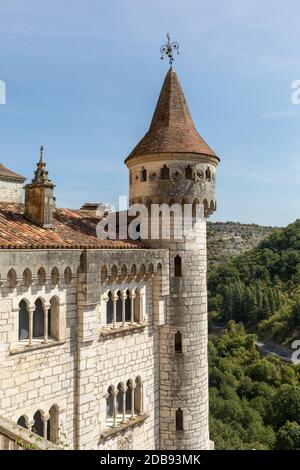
[
  {"x": 266, "y": 348},
  {"x": 282, "y": 354}
]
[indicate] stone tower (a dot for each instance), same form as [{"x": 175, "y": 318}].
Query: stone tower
[
  {"x": 173, "y": 164},
  {"x": 39, "y": 199}
]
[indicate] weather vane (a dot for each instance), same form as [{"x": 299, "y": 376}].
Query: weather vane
[{"x": 168, "y": 49}]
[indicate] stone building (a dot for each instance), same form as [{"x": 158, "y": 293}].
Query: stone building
[
  {"x": 103, "y": 343},
  {"x": 11, "y": 185}
]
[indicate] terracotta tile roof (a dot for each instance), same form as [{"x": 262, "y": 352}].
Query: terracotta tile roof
[
  {"x": 6, "y": 173},
  {"x": 172, "y": 128},
  {"x": 73, "y": 229}
]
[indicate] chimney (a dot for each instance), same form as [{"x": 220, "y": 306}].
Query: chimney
[{"x": 39, "y": 200}]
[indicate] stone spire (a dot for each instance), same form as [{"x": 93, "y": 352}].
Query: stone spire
[
  {"x": 172, "y": 129},
  {"x": 40, "y": 174},
  {"x": 39, "y": 200}
]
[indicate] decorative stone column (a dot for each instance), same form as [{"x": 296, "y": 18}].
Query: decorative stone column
[
  {"x": 114, "y": 397},
  {"x": 46, "y": 314},
  {"x": 114, "y": 302},
  {"x": 132, "y": 297},
  {"x": 30, "y": 424},
  {"x": 141, "y": 309},
  {"x": 123, "y": 390},
  {"x": 45, "y": 419},
  {"x": 142, "y": 397},
  {"x": 132, "y": 401},
  {"x": 30, "y": 333},
  {"x": 105, "y": 298},
  {"x": 123, "y": 297}
]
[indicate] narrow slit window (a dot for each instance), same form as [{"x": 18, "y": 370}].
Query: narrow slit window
[
  {"x": 144, "y": 174},
  {"x": 179, "y": 420},
  {"x": 177, "y": 266},
  {"x": 178, "y": 342}
]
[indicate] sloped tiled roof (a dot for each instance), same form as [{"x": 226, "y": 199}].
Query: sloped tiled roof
[
  {"x": 73, "y": 229},
  {"x": 172, "y": 128},
  {"x": 6, "y": 173}
]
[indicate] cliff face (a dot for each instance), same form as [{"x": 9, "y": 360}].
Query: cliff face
[{"x": 227, "y": 239}]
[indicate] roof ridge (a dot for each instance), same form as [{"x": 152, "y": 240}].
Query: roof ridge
[{"x": 7, "y": 173}]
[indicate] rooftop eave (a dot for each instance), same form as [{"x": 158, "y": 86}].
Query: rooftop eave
[{"x": 172, "y": 155}]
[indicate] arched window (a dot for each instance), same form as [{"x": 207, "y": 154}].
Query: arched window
[
  {"x": 27, "y": 277},
  {"x": 119, "y": 307},
  {"x": 110, "y": 402},
  {"x": 138, "y": 396},
  {"x": 103, "y": 274},
  {"x": 113, "y": 273},
  {"x": 137, "y": 306},
  {"x": 68, "y": 275},
  {"x": 165, "y": 173},
  {"x": 130, "y": 178},
  {"x": 127, "y": 306},
  {"x": 54, "y": 277},
  {"x": 177, "y": 266},
  {"x": 150, "y": 270},
  {"x": 208, "y": 174},
  {"x": 12, "y": 278},
  {"x": 178, "y": 342},
  {"x": 129, "y": 396},
  {"x": 143, "y": 174},
  {"x": 123, "y": 272},
  {"x": 109, "y": 309},
  {"x": 23, "y": 321},
  {"x": 53, "y": 318},
  {"x": 119, "y": 399},
  {"x": 196, "y": 210},
  {"x": 41, "y": 276},
  {"x": 53, "y": 425},
  {"x": 23, "y": 421},
  {"x": 188, "y": 173},
  {"x": 38, "y": 319},
  {"x": 179, "y": 420},
  {"x": 38, "y": 425}
]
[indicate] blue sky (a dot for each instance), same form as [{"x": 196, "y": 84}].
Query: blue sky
[{"x": 83, "y": 78}]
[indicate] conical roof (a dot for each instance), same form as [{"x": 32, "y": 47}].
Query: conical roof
[{"x": 172, "y": 128}]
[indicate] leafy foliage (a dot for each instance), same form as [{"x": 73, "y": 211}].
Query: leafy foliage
[
  {"x": 254, "y": 401},
  {"x": 261, "y": 287}
]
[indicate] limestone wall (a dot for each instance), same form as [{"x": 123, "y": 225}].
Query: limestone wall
[
  {"x": 182, "y": 178},
  {"x": 126, "y": 357},
  {"x": 74, "y": 370},
  {"x": 38, "y": 377},
  {"x": 10, "y": 191}
]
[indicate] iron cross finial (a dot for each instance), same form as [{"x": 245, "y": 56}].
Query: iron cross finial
[
  {"x": 41, "y": 153},
  {"x": 168, "y": 49}
]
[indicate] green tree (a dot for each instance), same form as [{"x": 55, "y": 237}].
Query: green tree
[
  {"x": 288, "y": 436},
  {"x": 286, "y": 405}
]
